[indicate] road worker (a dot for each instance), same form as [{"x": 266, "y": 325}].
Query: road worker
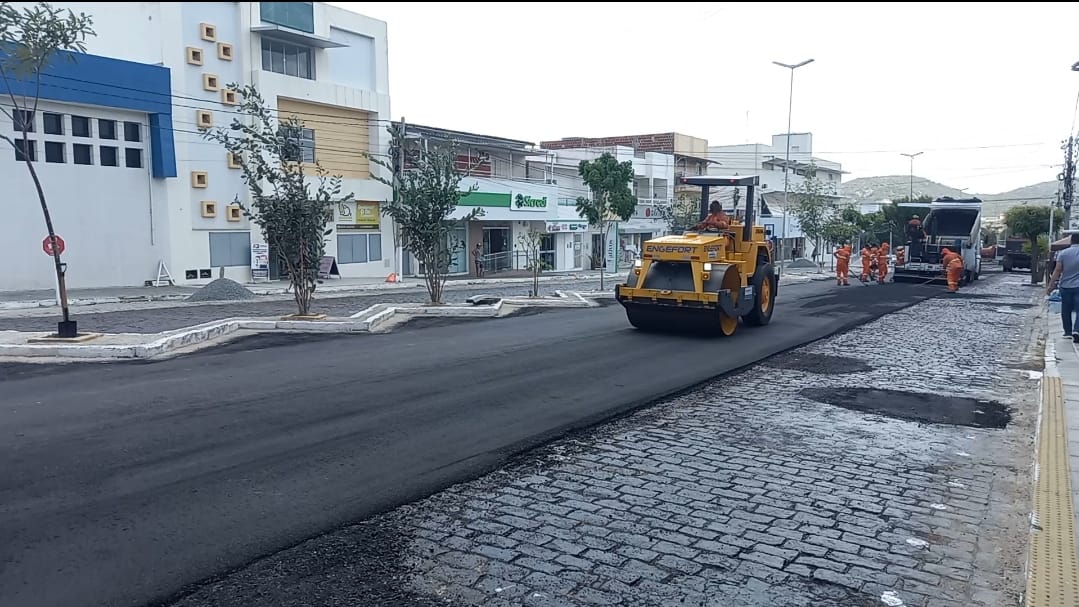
[
  {"x": 955, "y": 273},
  {"x": 915, "y": 236},
  {"x": 867, "y": 263},
  {"x": 882, "y": 263},
  {"x": 716, "y": 221},
  {"x": 900, "y": 255},
  {"x": 842, "y": 265},
  {"x": 874, "y": 254}
]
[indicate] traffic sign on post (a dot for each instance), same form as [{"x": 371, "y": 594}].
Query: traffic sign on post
[{"x": 46, "y": 245}]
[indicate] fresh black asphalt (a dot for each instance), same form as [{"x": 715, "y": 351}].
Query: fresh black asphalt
[{"x": 125, "y": 484}]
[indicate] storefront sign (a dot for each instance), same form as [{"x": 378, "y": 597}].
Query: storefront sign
[
  {"x": 260, "y": 261},
  {"x": 567, "y": 226},
  {"x": 486, "y": 199},
  {"x": 524, "y": 202},
  {"x": 359, "y": 215}
]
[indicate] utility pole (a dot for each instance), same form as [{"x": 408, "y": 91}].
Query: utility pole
[
  {"x": 910, "y": 198},
  {"x": 787, "y": 161},
  {"x": 1067, "y": 179}
]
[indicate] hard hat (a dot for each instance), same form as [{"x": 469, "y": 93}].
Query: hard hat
[{"x": 914, "y": 217}]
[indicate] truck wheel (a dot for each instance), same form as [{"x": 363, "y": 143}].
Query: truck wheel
[{"x": 764, "y": 296}]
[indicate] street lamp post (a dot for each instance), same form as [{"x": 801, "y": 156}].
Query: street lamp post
[
  {"x": 911, "y": 156},
  {"x": 787, "y": 162}
]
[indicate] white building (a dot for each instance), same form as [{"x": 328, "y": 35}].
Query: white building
[
  {"x": 512, "y": 200},
  {"x": 130, "y": 179},
  {"x": 653, "y": 181},
  {"x": 769, "y": 162}
]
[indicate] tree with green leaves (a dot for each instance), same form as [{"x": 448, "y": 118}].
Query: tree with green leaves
[
  {"x": 531, "y": 242},
  {"x": 612, "y": 199},
  {"x": 681, "y": 214},
  {"x": 290, "y": 212},
  {"x": 813, "y": 207},
  {"x": 1032, "y": 223},
  {"x": 425, "y": 197},
  {"x": 31, "y": 40}
]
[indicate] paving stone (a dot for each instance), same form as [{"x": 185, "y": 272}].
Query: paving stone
[{"x": 744, "y": 492}]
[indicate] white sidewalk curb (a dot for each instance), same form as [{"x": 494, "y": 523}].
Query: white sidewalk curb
[{"x": 376, "y": 318}]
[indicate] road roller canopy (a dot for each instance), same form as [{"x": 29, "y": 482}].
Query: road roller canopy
[{"x": 719, "y": 181}]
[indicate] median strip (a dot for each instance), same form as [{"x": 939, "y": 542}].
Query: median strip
[{"x": 37, "y": 347}]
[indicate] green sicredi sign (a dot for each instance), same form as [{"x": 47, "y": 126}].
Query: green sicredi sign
[{"x": 524, "y": 202}]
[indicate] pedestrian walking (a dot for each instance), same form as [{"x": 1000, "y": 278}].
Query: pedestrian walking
[
  {"x": 1066, "y": 276},
  {"x": 477, "y": 256}
]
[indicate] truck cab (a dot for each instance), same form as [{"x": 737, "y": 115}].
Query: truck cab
[{"x": 955, "y": 224}]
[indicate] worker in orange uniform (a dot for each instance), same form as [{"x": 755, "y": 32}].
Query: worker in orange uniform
[
  {"x": 874, "y": 253},
  {"x": 954, "y": 267},
  {"x": 867, "y": 263},
  {"x": 717, "y": 220},
  {"x": 842, "y": 266},
  {"x": 900, "y": 255},
  {"x": 882, "y": 262}
]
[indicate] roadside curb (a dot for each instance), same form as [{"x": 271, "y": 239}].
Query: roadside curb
[
  {"x": 375, "y": 319},
  {"x": 1052, "y": 564}
]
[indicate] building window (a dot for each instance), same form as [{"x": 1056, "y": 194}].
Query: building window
[
  {"x": 229, "y": 249},
  {"x": 21, "y": 118},
  {"x": 133, "y": 158},
  {"x": 29, "y": 145},
  {"x": 132, "y": 132},
  {"x": 106, "y": 129},
  {"x": 109, "y": 156},
  {"x": 82, "y": 153},
  {"x": 54, "y": 152},
  {"x": 359, "y": 248},
  {"x": 53, "y": 124},
  {"x": 288, "y": 59},
  {"x": 305, "y": 145},
  {"x": 295, "y": 15},
  {"x": 80, "y": 126}
]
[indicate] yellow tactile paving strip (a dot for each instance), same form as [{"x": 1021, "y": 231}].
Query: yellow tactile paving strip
[{"x": 1053, "y": 579}]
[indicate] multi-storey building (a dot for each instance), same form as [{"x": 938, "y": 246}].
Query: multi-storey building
[
  {"x": 119, "y": 140},
  {"x": 770, "y": 163},
  {"x": 510, "y": 199},
  {"x": 653, "y": 176}
]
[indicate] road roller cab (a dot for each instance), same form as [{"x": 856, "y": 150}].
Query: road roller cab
[{"x": 708, "y": 281}]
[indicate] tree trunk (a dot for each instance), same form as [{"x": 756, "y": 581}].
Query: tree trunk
[{"x": 58, "y": 266}]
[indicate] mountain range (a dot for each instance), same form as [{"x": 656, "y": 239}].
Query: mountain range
[{"x": 898, "y": 186}]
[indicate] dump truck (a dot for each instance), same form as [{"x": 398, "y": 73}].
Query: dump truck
[
  {"x": 1016, "y": 255},
  {"x": 955, "y": 224},
  {"x": 706, "y": 282}
]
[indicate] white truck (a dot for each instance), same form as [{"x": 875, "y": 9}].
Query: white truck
[{"x": 955, "y": 224}]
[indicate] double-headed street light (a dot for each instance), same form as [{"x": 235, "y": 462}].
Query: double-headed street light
[
  {"x": 911, "y": 156},
  {"x": 787, "y": 161}
]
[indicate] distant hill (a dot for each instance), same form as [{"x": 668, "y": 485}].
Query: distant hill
[{"x": 898, "y": 186}]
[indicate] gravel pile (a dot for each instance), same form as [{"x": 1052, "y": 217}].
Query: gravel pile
[
  {"x": 802, "y": 262},
  {"x": 222, "y": 289}
]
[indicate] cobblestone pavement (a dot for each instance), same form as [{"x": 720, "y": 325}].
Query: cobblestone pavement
[
  {"x": 742, "y": 492},
  {"x": 130, "y": 319}
]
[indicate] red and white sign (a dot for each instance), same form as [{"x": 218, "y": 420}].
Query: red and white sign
[{"x": 46, "y": 245}]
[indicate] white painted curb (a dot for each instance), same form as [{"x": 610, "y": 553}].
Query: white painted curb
[{"x": 377, "y": 318}]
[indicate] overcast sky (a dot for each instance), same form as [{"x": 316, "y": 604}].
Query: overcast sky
[{"x": 971, "y": 85}]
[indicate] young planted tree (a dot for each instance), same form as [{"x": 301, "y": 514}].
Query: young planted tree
[
  {"x": 612, "y": 199},
  {"x": 1032, "y": 223},
  {"x": 31, "y": 39},
  {"x": 425, "y": 196},
  {"x": 813, "y": 207},
  {"x": 532, "y": 244},
  {"x": 290, "y": 212},
  {"x": 682, "y": 213}
]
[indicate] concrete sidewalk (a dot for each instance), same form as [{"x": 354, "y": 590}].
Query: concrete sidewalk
[{"x": 1053, "y": 576}]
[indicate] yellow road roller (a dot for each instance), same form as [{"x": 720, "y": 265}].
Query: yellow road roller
[{"x": 706, "y": 281}]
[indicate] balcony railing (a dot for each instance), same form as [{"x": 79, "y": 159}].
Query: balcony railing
[{"x": 567, "y": 202}]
